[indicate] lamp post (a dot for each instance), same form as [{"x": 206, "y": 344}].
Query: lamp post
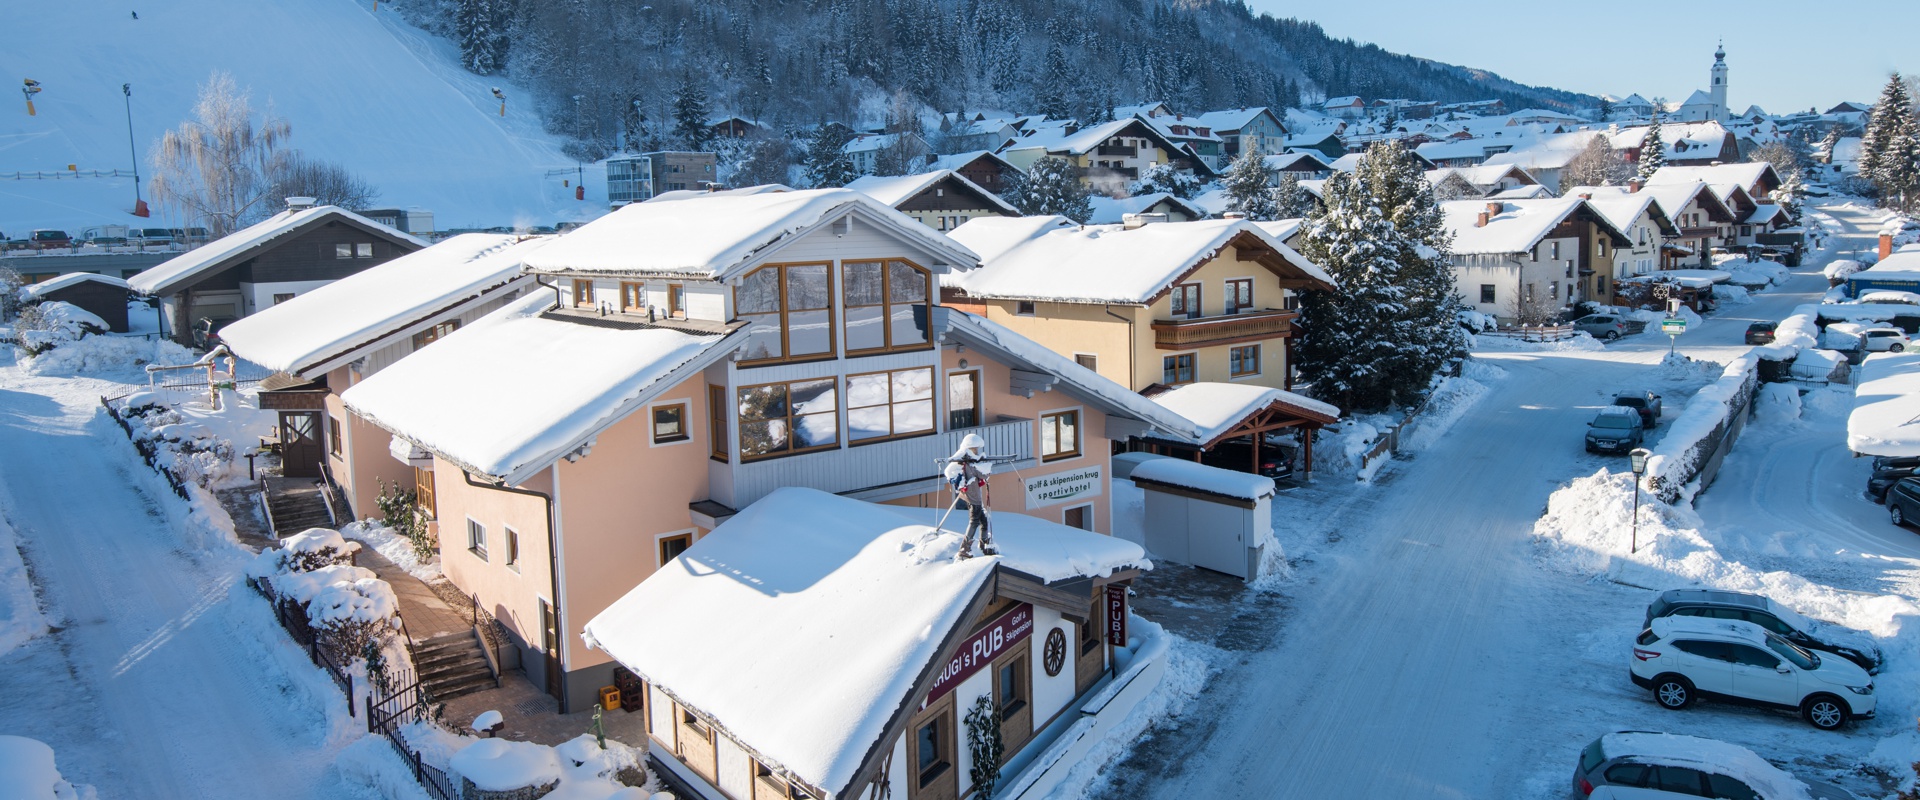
[
  {"x": 579, "y": 167},
  {"x": 1639, "y": 459},
  {"x": 139, "y": 205}
]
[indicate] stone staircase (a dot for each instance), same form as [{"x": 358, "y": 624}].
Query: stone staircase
[
  {"x": 453, "y": 664},
  {"x": 292, "y": 508}
]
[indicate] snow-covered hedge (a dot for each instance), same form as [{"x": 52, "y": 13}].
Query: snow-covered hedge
[
  {"x": 1841, "y": 269},
  {"x": 45, "y": 326},
  {"x": 1695, "y": 437},
  {"x": 196, "y": 445}
]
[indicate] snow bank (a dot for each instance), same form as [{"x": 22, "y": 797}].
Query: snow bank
[
  {"x": 1579, "y": 341},
  {"x": 1698, "y": 429},
  {"x": 20, "y": 617},
  {"x": 497, "y": 765},
  {"x": 27, "y": 772},
  {"x": 1776, "y": 404},
  {"x": 1886, "y": 406},
  {"x": 1840, "y": 269},
  {"x": 195, "y": 444},
  {"x": 1200, "y": 477},
  {"x": 103, "y": 354},
  {"x": 1730, "y": 294}
]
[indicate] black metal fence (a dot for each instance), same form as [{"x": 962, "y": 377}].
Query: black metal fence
[
  {"x": 148, "y": 453},
  {"x": 388, "y": 717},
  {"x": 293, "y": 617}
]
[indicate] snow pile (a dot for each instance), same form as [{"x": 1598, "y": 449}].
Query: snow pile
[
  {"x": 1797, "y": 330},
  {"x": 498, "y": 765},
  {"x": 27, "y": 772},
  {"x": 1840, "y": 269},
  {"x": 581, "y": 769},
  {"x": 1653, "y": 317},
  {"x": 20, "y": 617},
  {"x": 102, "y": 354},
  {"x": 302, "y": 552},
  {"x": 394, "y": 547},
  {"x": 1731, "y": 294},
  {"x": 1680, "y": 368},
  {"x": 1776, "y": 404},
  {"x": 46, "y": 326},
  {"x": 195, "y": 444},
  {"x": 369, "y": 600},
  {"x": 1680, "y": 454},
  {"x": 1477, "y": 322},
  {"x": 1579, "y": 341},
  {"x": 1760, "y": 274},
  {"x": 1892, "y": 297}
]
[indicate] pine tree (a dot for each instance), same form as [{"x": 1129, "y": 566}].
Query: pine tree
[
  {"x": 475, "y": 24},
  {"x": 1824, "y": 152},
  {"x": 1890, "y": 150},
  {"x": 1290, "y": 199},
  {"x": 1166, "y": 178},
  {"x": 1246, "y": 185},
  {"x": 690, "y": 115},
  {"x": 1653, "y": 150},
  {"x": 827, "y": 163},
  {"x": 1606, "y": 110},
  {"x": 1051, "y": 187},
  {"x": 1398, "y": 184}
]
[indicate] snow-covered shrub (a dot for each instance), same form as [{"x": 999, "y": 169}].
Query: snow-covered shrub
[
  {"x": 400, "y": 512},
  {"x": 97, "y": 354},
  {"x": 44, "y": 326},
  {"x": 314, "y": 548},
  {"x": 351, "y": 617},
  {"x": 193, "y": 445}
]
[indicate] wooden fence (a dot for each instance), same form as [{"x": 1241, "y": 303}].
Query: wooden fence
[
  {"x": 1535, "y": 333},
  {"x": 148, "y": 452}
]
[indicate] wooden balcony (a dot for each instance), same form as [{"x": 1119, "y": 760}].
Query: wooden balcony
[
  {"x": 869, "y": 466},
  {"x": 1117, "y": 150},
  {"x": 1247, "y": 326}
]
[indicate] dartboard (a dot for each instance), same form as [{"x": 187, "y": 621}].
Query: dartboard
[{"x": 1055, "y": 655}]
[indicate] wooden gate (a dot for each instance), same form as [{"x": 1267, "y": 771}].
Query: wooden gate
[{"x": 300, "y": 448}]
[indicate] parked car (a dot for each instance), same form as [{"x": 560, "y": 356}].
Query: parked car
[
  {"x": 1812, "y": 634},
  {"x": 1632, "y": 765},
  {"x": 1683, "y": 659},
  {"x": 1647, "y": 403},
  {"x": 49, "y": 239},
  {"x": 1888, "y": 340},
  {"x": 1903, "y": 501},
  {"x": 1616, "y": 429},
  {"x": 1602, "y": 326},
  {"x": 1888, "y": 471},
  {"x": 1276, "y": 461},
  {"x": 152, "y": 236},
  {"x": 1761, "y": 332}
]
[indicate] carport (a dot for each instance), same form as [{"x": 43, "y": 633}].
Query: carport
[{"x": 1230, "y": 416}]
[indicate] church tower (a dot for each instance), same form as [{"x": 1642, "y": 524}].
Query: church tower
[{"x": 1719, "y": 86}]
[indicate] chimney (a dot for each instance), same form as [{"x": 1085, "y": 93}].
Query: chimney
[
  {"x": 1586, "y": 195},
  {"x": 1481, "y": 220},
  {"x": 1234, "y": 215},
  {"x": 1494, "y": 209},
  {"x": 1886, "y": 245},
  {"x": 1131, "y": 221},
  {"x": 300, "y": 203},
  {"x": 1635, "y": 184}
]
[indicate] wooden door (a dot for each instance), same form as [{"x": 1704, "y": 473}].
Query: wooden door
[
  {"x": 300, "y": 446},
  {"x": 550, "y": 642}
]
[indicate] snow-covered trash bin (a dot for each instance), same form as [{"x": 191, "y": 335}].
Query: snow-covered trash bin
[
  {"x": 498, "y": 769},
  {"x": 1208, "y": 517}
]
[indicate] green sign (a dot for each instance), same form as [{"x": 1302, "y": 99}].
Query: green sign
[{"x": 1673, "y": 327}]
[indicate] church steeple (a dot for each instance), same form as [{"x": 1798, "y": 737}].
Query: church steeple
[{"x": 1718, "y": 88}]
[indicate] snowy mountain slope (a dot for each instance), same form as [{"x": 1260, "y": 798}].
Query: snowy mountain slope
[{"x": 361, "y": 88}]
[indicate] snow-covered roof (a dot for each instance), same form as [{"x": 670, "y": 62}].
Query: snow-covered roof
[
  {"x": 1886, "y": 406},
  {"x": 1215, "y": 408},
  {"x": 717, "y": 234},
  {"x": 991, "y": 237},
  {"x": 692, "y": 194},
  {"x": 1764, "y": 213},
  {"x": 397, "y": 298},
  {"x": 959, "y": 160},
  {"x": 1519, "y": 226},
  {"x": 858, "y": 600},
  {"x": 1621, "y": 207},
  {"x": 1900, "y": 265},
  {"x": 1291, "y": 159},
  {"x": 511, "y": 393},
  {"x": 1282, "y": 229},
  {"x": 1531, "y": 191},
  {"x": 1485, "y": 175},
  {"x": 1108, "y": 211},
  {"x": 1673, "y": 197},
  {"x": 59, "y": 282},
  {"x": 1698, "y": 98},
  {"x": 898, "y": 189},
  {"x": 174, "y": 273},
  {"x": 1232, "y": 119},
  {"x": 1112, "y": 264},
  {"x": 1745, "y": 175},
  {"x": 1212, "y": 480}
]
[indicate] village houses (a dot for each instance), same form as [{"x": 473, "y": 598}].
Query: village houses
[{"x": 1524, "y": 260}]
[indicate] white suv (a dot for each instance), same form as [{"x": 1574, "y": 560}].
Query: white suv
[
  {"x": 1683, "y": 658},
  {"x": 1890, "y": 340}
]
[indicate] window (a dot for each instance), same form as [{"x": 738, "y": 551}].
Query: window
[
  {"x": 1088, "y": 360},
  {"x": 1239, "y": 295},
  {"x": 1553, "y": 290},
  {"x": 279, "y": 298},
  {"x": 1530, "y": 292},
  {"x": 963, "y": 399},
  {"x": 1601, "y": 247},
  {"x": 1243, "y": 361},
  {"x": 676, "y": 301},
  {"x": 582, "y": 294},
  {"x": 1535, "y": 254},
  {"x": 933, "y": 749},
  {"x": 513, "y": 549},
  {"x": 1185, "y": 301},
  {"x": 336, "y": 443},
  {"x": 886, "y": 306},
  {"x": 781, "y": 418},
  {"x": 434, "y": 334},
  {"x": 1728, "y": 788},
  {"x": 1023, "y": 308},
  {"x": 633, "y": 297},
  {"x": 1601, "y": 284},
  {"x": 670, "y": 423},
  {"x": 1676, "y": 779},
  {"x": 1633, "y": 775},
  {"x": 477, "y": 539},
  {"x": 1078, "y": 517},
  {"x": 1176, "y": 370},
  {"x": 1059, "y": 435},
  {"x": 792, "y": 308},
  {"x": 772, "y": 785},
  {"x": 1556, "y": 251},
  {"x": 1010, "y": 686},
  {"x": 717, "y": 421},
  {"x": 363, "y": 250},
  {"x": 423, "y": 492},
  {"x": 672, "y": 546},
  {"x": 1752, "y": 656},
  {"x": 1486, "y": 293},
  {"x": 884, "y": 404},
  {"x": 343, "y": 251}
]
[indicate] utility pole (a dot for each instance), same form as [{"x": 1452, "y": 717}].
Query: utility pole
[
  {"x": 579, "y": 168},
  {"x": 139, "y": 205}
]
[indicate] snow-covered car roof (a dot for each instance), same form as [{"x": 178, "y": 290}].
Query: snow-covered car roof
[
  {"x": 1716, "y": 756},
  {"x": 1619, "y": 411},
  {"x": 1886, "y": 405},
  {"x": 1742, "y": 630}
]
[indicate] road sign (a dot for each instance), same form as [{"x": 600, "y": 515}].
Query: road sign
[{"x": 1673, "y": 327}]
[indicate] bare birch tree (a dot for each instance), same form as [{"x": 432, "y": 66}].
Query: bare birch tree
[{"x": 220, "y": 167}]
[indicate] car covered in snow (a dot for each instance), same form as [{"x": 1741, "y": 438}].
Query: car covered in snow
[
  {"x": 1887, "y": 471},
  {"x": 1812, "y": 634},
  {"x": 1647, "y": 403},
  {"x": 1761, "y": 332},
  {"x": 1616, "y": 429},
  {"x": 1603, "y": 326},
  {"x": 1886, "y": 340},
  {"x": 1643, "y": 765},
  {"x": 1683, "y": 659}
]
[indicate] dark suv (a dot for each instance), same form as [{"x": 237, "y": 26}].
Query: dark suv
[
  {"x": 1761, "y": 332},
  {"x": 1847, "y": 643},
  {"x": 1647, "y": 403},
  {"x": 1887, "y": 471}
]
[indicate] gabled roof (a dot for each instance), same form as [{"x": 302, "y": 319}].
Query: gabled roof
[
  {"x": 991, "y": 237},
  {"x": 1673, "y": 197},
  {"x": 188, "y": 268},
  {"x": 960, "y": 160},
  {"x": 1698, "y": 98},
  {"x": 1748, "y": 174},
  {"x": 1112, "y": 264},
  {"x": 1215, "y": 408},
  {"x": 1486, "y": 175},
  {"x": 59, "y": 282},
  {"x": 510, "y": 394},
  {"x": 1282, "y": 229},
  {"x": 1293, "y": 161},
  {"x": 1108, "y": 211},
  {"x": 1766, "y": 213},
  {"x": 1086, "y": 139},
  {"x": 1234, "y": 119},
  {"x": 1623, "y": 209},
  {"x": 718, "y": 235},
  {"x": 316, "y": 331},
  {"x": 1519, "y": 226},
  {"x": 899, "y": 189}
]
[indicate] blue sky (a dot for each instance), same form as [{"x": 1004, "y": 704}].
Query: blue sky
[{"x": 1781, "y": 55}]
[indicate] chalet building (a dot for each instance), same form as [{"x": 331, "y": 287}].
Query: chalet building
[
  {"x": 272, "y": 261},
  {"x": 1243, "y": 130},
  {"x": 1193, "y": 135},
  {"x": 1529, "y": 258},
  {"x": 977, "y": 132},
  {"x": 1347, "y": 107},
  {"x": 984, "y": 167},
  {"x": 1758, "y": 178},
  {"x": 1109, "y": 156},
  {"x": 866, "y": 150},
  {"x": 1305, "y": 164},
  {"x": 692, "y": 358},
  {"x": 637, "y": 179},
  {"x": 736, "y": 127},
  {"x": 941, "y": 199},
  {"x": 1703, "y": 219},
  {"x": 324, "y": 342},
  {"x": 818, "y": 646},
  {"x": 1454, "y": 183},
  {"x": 103, "y": 296},
  {"x": 1647, "y": 227},
  {"x": 1157, "y": 206}
]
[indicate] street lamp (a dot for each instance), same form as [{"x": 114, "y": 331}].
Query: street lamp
[
  {"x": 579, "y": 167},
  {"x": 1639, "y": 459},
  {"x": 139, "y": 205}
]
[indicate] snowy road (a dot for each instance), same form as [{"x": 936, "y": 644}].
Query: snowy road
[
  {"x": 1428, "y": 655},
  {"x": 164, "y": 677}
]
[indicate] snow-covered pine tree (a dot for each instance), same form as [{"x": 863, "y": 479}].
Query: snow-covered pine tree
[
  {"x": 690, "y": 115},
  {"x": 474, "y": 24},
  {"x": 1165, "y": 178},
  {"x": 1606, "y": 110},
  {"x": 1290, "y": 199},
  {"x": 1823, "y": 153},
  {"x": 1051, "y": 187},
  {"x": 1398, "y": 185},
  {"x": 827, "y": 163},
  {"x": 1247, "y": 184},
  {"x": 1653, "y": 149},
  {"x": 1890, "y": 150},
  {"x": 1349, "y": 338}
]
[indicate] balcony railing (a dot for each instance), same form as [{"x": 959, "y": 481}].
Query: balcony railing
[
  {"x": 1116, "y": 150},
  {"x": 1246, "y": 326},
  {"x": 874, "y": 465}
]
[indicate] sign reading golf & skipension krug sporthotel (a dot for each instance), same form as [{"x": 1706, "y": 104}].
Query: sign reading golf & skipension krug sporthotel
[{"x": 1060, "y": 487}]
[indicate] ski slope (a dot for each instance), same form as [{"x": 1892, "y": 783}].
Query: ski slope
[{"x": 361, "y": 88}]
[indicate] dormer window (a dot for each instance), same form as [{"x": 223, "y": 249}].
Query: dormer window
[{"x": 887, "y": 306}]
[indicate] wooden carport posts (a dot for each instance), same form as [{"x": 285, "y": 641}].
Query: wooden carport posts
[{"x": 1274, "y": 416}]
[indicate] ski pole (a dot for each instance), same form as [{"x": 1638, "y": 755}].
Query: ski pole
[{"x": 943, "y": 517}]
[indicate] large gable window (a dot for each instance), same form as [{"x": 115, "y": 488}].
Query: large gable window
[
  {"x": 778, "y": 419},
  {"x": 887, "y": 306},
  {"x": 791, "y": 307},
  {"x": 882, "y": 404}
]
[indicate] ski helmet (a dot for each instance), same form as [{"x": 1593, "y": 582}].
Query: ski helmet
[{"x": 972, "y": 441}]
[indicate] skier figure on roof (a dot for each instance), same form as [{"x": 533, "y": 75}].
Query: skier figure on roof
[{"x": 967, "y": 472}]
